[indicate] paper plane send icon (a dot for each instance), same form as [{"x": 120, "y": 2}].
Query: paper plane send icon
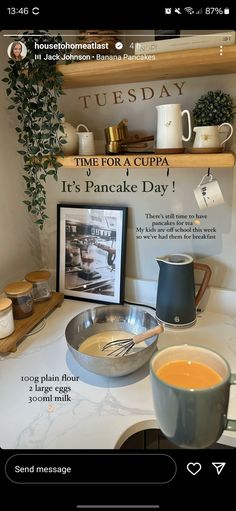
[{"x": 219, "y": 466}]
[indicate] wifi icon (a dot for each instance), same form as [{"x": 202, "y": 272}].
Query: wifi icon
[{"x": 189, "y": 10}]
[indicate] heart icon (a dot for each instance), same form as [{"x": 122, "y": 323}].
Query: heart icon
[{"x": 194, "y": 468}]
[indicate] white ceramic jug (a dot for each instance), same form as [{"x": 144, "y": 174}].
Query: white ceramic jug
[
  {"x": 71, "y": 146},
  {"x": 169, "y": 128},
  {"x": 209, "y": 136}
]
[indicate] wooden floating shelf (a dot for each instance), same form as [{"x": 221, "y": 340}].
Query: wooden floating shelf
[
  {"x": 177, "y": 64},
  {"x": 24, "y": 326},
  {"x": 154, "y": 161}
]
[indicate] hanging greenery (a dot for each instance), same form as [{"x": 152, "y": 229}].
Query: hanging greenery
[{"x": 34, "y": 86}]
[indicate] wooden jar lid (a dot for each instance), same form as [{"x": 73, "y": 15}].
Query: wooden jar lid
[
  {"x": 18, "y": 288},
  {"x": 38, "y": 276},
  {"x": 5, "y": 303}
]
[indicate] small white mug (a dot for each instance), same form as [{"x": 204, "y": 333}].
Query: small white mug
[
  {"x": 86, "y": 141},
  {"x": 208, "y": 194}
]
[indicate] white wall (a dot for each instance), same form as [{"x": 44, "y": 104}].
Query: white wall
[
  {"x": 140, "y": 261},
  {"x": 20, "y": 250}
]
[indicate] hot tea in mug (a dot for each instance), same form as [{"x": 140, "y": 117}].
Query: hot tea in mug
[{"x": 188, "y": 374}]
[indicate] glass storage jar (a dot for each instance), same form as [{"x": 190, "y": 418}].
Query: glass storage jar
[
  {"x": 22, "y": 300},
  {"x": 40, "y": 281},
  {"x": 6, "y": 318}
]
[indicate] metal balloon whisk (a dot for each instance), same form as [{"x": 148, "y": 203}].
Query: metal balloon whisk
[{"x": 124, "y": 346}]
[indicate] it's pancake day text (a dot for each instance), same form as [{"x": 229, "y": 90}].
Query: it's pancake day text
[{"x": 123, "y": 187}]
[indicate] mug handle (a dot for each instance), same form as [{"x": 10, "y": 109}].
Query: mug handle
[
  {"x": 205, "y": 280},
  {"x": 209, "y": 178},
  {"x": 231, "y": 131},
  {"x": 83, "y": 126},
  {"x": 189, "y": 126},
  {"x": 231, "y": 424}
]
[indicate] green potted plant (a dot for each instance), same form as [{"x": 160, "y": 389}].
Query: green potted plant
[
  {"x": 34, "y": 86},
  {"x": 213, "y": 112}
]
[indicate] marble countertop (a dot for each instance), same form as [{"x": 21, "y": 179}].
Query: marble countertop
[{"x": 97, "y": 412}]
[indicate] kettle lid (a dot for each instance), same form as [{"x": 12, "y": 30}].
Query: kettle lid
[{"x": 176, "y": 259}]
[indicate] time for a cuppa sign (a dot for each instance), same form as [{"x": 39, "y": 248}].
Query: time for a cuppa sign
[{"x": 120, "y": 161}]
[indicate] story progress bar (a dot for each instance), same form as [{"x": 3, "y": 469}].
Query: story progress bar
[{"x": 117, "y": 506}]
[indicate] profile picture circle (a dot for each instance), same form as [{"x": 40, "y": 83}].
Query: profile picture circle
[{"x": 17, "y": 51}]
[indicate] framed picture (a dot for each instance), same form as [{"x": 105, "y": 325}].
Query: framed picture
[{"x": 91, "y": 252}]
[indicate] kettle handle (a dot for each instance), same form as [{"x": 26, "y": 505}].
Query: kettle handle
[{"x": 205, "y": 280}]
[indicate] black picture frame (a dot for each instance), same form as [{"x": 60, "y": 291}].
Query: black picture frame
[{"x": 91, "y": 247}]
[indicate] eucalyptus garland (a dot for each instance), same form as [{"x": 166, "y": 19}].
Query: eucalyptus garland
[{"x": 34, "y": 86}]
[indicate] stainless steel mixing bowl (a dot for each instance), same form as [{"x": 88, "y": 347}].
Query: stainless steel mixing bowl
[{"x": 111, "y": 317}]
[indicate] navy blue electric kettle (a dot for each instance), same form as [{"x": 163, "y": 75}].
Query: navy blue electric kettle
[{"x": 176, "y": 300}]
